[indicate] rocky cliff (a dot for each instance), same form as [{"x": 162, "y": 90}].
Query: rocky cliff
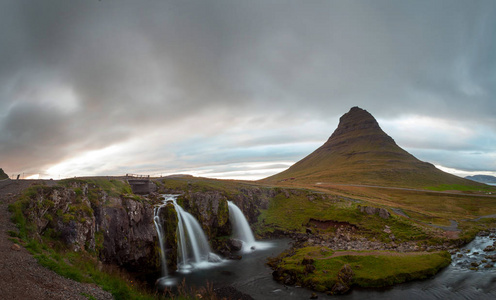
[
  {"x": 209, "y": 205},
  {"x": 103, "y": 217},
  {"x": 118, "y": 228}
]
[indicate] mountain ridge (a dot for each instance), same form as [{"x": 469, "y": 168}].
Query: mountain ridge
[
  {"x": 360, "y": 152},
  {"x": 482, "y": 178}
]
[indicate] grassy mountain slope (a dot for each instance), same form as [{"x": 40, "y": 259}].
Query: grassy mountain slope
[{"x": 359, "y": 152}]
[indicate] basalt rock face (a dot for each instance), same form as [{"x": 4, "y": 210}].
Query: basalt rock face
[
  {"x": 84, "y": 217},
  {"x": 360, "y": 152},
  {"x": 61, "y": 213},
  {"x": 168, "y": 216},
  {"x": 252, "y": 200},
  {"x": 211, "y": 210},
  {"x": 129, "y": 237}
]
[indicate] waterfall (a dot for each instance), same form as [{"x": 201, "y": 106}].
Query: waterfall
[
  {"x": 165, "y": 280},
  {"x": 160, "y": 233},
  {"x": 241, "y": 228},
  {"x": 193, "y": 247}
]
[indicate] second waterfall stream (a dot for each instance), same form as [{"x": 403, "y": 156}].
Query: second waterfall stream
[{"x": 241, "y": 228}]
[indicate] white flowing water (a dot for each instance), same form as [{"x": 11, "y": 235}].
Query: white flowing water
[
  {"x": 241, "y": 228},
  {"x": 160, "y": 233},
  {"x": 193, "y": 248},
  {"x": 192, "y": 244},
  {"x": 165, "y": 280}
]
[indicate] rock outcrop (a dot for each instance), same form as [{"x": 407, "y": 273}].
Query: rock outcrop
[
  {"x": 129, "y": 237},
  {"x": 381, "y": 212},
  {"x": 118, "y": 228},
  {"x": 210, "y": 209}
]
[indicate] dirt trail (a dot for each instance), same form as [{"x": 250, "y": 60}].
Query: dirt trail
[
  {"x": 454, "y": 192},
  {"x": 21, "y": 277}
]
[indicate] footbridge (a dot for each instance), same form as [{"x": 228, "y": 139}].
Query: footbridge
[{"x": 141, "y": 184}]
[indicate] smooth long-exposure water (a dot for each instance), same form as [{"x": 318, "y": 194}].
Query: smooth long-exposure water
[
  {"x": 251, "y": 276},
  {"x": 471, "y": 275}
]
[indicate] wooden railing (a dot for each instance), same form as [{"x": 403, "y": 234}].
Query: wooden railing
[{"x": 136, "y": 176}]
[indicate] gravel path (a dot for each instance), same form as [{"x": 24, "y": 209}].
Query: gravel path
[{"x": 21, "y": 277}]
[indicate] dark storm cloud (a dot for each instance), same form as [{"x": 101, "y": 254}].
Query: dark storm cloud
[{"x": 82, "y": 75}]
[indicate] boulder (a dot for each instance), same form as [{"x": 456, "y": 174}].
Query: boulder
[
  {"x": 489, "y": 248},
  {"x": 235, "y": 244},
  {"x": 345, "y": 279},
  {"x": 381, "y": 212}
]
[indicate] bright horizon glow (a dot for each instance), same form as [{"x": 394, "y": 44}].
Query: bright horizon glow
[
  {"x": 95, "y": 158},
  {"x": 462, "y": 173},
  {"x": 204, "y": 91},
  {"x": 247, "y": 171}
]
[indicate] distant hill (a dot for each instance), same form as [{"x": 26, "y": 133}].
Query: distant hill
[
  {"x": 3, "y": 175},
  {"x": 482, "y": 178},
  {"x": 360, "y": 152}
]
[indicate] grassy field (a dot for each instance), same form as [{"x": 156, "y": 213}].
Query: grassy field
[
  {"x": 428, "y": 206},
  {"x": 294, "y": 213}
]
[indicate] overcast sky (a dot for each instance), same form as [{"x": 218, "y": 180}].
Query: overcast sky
[{"x": 240, "y": 89}]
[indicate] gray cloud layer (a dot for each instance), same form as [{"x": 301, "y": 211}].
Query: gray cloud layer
[{"x": 83, "y": 75}]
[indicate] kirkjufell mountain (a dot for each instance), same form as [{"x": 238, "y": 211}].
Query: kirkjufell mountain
[{"x": 360, "y": 152}]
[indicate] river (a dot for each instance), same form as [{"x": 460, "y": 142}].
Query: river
[{"x": 251, "y": 276}]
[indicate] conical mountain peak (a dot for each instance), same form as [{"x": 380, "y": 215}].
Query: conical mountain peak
[
  {"x": 358, "y": 131},
  {"x": 360, "y": 152},
  {"x": 356, "y": 119}
]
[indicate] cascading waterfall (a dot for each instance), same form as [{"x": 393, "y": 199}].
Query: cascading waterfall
[
  {"x": 241, "y": 228},
  {"x": 160, "y": 233},
  {"x": 192, "y": 244},
  {"x": 193, "y": 247}
]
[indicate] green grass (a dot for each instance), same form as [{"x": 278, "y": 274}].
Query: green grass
[
  {"x": 198, "y": 184},
  {"x": 90, "y": 297},
  {"x": 113, "y": 187},
  {"x": 380, "y": 269},
  {"x": 295, "y": 212}
]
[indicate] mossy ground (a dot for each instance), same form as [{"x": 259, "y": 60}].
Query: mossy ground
[
  {"x": 371, "y": 269},
  {"x": 293, "y": 212}
]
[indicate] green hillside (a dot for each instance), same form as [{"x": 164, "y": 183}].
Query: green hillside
[{"x": 360, "y": 152}]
